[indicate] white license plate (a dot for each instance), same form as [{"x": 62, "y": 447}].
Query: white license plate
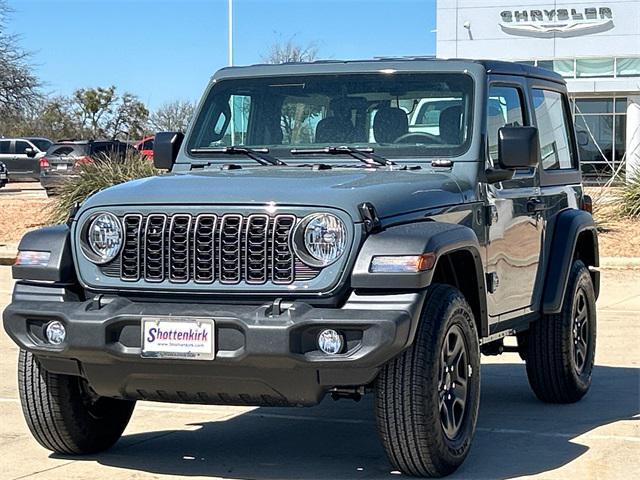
[
  {"x": 178, "y": 337},
  {"x": 61, "y": 167},
  {"x": 3, "y": 176}
]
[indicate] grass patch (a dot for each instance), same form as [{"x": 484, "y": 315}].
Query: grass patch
[{"x": 93, "y": 177}]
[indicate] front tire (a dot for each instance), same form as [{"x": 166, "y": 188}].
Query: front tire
[
  {"x": 64, "y": 414},
  {"x": 561, "y": 347},
  {"x": 427, "y": 398}
]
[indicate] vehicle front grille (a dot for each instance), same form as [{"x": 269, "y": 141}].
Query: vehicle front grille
[{"x": 227, "y": 249}]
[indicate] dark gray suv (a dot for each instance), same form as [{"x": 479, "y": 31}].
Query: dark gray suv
[{"x": 328, "y": 228}]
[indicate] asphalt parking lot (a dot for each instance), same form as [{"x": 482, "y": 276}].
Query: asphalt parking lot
[{"x": 517, "y": 435}]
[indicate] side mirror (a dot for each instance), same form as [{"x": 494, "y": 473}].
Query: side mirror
[
  {"x": 30, "y": 152},
  {"x": 165, "y": 149},
  {"x": 518, "y": 147}
]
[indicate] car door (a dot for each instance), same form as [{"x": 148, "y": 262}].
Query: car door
[
  {"x": 515, "y": 211},
  {"x": 6, "y": 155},
  {"x": 25, "y": 167}
]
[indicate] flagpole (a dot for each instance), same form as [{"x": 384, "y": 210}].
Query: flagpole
[{"x": 230, "y": 20}]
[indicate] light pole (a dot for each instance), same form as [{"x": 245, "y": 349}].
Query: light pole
[{"x": 230, "y": 41}]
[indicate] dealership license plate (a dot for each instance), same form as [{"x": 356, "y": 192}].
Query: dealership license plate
[
  {"x": 178, "y": 337},
  {"x": 61, "y": 167}
]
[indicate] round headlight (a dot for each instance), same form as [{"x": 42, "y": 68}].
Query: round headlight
[
  {"x": 320, "y": 239},
  {"x": 104, "y": 237}
]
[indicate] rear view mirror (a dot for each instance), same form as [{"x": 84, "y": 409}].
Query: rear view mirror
[
  {"x": 165, "y": 149},
  {"x": 518, "y": 147},
  {"x": 30, "y": 152}
]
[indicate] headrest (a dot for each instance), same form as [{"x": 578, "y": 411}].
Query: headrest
[
  {"x": 389, "y": 124},
  {"x": 450, "y": 127}
]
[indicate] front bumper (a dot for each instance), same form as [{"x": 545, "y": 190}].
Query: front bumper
[
  {"x": 54, "y": 181},
  {"x": 261, "y": 358}
]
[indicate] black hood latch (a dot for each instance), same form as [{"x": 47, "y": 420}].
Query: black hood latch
[{"x": 369, "y": 217}]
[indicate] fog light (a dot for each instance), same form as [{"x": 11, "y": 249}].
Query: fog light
[
  {"x": 330, "y": 342},
  {"x": 56, "y": 333}
]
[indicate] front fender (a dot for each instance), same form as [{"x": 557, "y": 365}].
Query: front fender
[
  {"x": 56, "y": 241},
  {"x": 412, "y": 239}
]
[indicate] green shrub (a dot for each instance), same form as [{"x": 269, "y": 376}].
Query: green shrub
[
  {"x": 630, "y": 197},
  {"x": 93, "y": 177}
]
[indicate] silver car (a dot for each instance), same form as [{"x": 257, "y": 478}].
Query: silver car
[{"x": 22, "y": 156}]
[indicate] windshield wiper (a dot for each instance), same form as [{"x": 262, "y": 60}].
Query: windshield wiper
[
  {"x": 260, "y": 155},
  {"x": 365, "y": 155}
]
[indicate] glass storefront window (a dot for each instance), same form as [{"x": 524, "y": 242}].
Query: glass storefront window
[
  {"x": 594, "y": 105},
  {"x": 627, "y": 67},
  {"x": 601, "y": 122},
  {"x": 564, "y": 68},
  {"x": 621, "y": 105},
  {"x": 548, "y": 64},
  {"x": 594, "y": 67}
]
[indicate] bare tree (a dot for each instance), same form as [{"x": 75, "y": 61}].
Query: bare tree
[
  {"x": 19, "y": 87},
  {"x": 172, "y": 116},
  {"x": 289, "y": 51},
  {"x": 294, "y": 117}
]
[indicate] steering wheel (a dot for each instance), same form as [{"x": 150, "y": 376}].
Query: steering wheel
[{"x": 418, "y": 137}]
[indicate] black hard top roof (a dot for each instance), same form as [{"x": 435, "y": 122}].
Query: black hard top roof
[{"x": 392, "y": 63}]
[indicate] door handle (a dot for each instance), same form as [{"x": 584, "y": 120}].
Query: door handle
[{"x": 535, "y": 205}]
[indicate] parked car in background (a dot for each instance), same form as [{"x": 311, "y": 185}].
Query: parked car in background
[
  {"x": 21, "y": 156},
  {"x": 4, "y": 176},
  {"x": 145, "y": 147},
  {"x": 61, "y": 161}
]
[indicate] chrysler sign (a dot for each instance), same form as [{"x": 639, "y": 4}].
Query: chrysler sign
[{"x": 561, "y": 22}]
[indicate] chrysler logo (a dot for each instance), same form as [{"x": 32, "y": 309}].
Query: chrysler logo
[{"x": 561, "y": 22}]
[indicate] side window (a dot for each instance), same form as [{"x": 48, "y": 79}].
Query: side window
[
  {"x": 553, "y": 130},
  {"x": 147, "y": 145},
  {"x": 503, "y": 110},
  {"x": 4, "y": 146},
  {"x": 21, "y": 146}
]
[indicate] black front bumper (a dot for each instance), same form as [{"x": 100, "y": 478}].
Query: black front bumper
[{"x": 261, "y": 358}]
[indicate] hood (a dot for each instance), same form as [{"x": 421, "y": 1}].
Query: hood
[{"x": 391, "y": 192}]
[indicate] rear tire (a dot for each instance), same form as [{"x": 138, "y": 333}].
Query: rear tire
[
  {"x": 427, "y": 398},
  {"x": 561, "y": 347},
  {"x": 63, "y": 413}
]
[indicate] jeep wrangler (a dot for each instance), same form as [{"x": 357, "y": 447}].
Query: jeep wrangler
[{"x": 324, "y": 228}]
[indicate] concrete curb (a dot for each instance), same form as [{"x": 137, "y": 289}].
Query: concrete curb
[
  {"x": 8, "y": 254},
  {"x": 626, "y": 263}
]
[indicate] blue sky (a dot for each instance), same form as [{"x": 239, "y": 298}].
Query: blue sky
[{"x": 163, "y": 50}]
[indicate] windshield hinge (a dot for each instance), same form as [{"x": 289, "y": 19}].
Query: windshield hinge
[{"x": 369, "y": 217}]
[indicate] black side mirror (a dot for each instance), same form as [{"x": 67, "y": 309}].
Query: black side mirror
[
  {"x": 30, "y": 152},
  {"x": 518, "y": 147},
  {"x": 165, "y": 149}
]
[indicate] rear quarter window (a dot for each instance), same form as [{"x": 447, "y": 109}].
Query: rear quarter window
[{"x": 554, "y": 124}]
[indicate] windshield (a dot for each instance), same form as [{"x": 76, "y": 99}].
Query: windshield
[{"x": 398, "y": 115}]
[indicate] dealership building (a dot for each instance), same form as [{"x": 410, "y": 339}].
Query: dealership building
[{"x": 595, "y": 46}]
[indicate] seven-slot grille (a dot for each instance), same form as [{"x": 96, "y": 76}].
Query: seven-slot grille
[{"x": 229, "y": 249}]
